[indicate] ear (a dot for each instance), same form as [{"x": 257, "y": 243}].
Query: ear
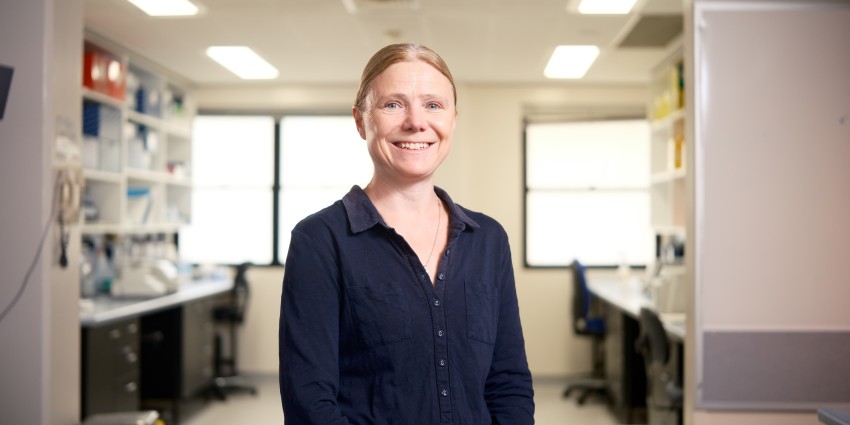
[{"x": 358, "y": 120}]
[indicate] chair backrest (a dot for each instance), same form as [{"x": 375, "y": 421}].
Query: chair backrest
[
  {"x": 652, "y": 341},
  {"x": 581, "y": 298},
  {"x": 240, "y": 293}
]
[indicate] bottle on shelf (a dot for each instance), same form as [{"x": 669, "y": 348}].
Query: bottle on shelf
[{"x": 103, "y": 273}]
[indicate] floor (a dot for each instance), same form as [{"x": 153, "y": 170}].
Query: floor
[{"x": 264, "y": 408}]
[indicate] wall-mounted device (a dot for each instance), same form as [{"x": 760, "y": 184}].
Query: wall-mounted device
[{"x": 5, "y": 86}]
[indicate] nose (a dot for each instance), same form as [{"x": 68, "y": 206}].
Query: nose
[{"x": 414, "y": 120}]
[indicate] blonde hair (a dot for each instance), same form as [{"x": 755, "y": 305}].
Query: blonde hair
[{"x": 395, "y": 53}]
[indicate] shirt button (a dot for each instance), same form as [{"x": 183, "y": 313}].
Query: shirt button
[
  {"x": 444, "y": 392},
  {"x": 440, "y": 333},
  {"x": 448, "y": 251},
  {"x": 436, "y": 303},
  {"x": 442, "y": 362},
  {"x": 441, "y": 276}
]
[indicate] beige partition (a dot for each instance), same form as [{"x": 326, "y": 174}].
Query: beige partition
[{"x": 771, "y": 216}]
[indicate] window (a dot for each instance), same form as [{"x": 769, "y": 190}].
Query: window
[
  {"x": 235, "y": 189},
  {"x": 321, "y": 157},
  {"x": 587, "y": 193},
  {"x": 232, "y": 173}
]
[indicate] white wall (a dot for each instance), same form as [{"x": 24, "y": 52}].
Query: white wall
[
  {"x": 483, "y": 172},
  {"x": 39, "y": 338}
]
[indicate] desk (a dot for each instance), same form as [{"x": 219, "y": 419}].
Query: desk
[
  {"x": 833, "y": 416},
  {"x": 628, "y": 296},
  {"x": 624, "y": 367},
  {"x": 138, "y": 351}
]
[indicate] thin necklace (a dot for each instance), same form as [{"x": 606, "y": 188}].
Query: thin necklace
[{"x": 436, "y": 232}]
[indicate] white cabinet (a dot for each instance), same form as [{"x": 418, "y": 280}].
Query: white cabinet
[
  {"x": 668, "y": 167},
  {"x": 137, "y": 151}
]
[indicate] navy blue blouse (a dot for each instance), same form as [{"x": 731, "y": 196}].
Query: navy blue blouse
[{"x": 365, "y": 338}]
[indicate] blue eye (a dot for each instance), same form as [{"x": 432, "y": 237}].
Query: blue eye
[
  {"x": 433, "y": 105},
  {"x": 392, "y": 105}
]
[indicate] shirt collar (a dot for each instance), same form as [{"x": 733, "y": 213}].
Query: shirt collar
[{"x": 362, "y": 214}]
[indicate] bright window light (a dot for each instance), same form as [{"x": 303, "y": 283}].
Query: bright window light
[
  {"x": 166, "y": 7},
  {"x": 605, "y": 7},
  {"x": 570, "y": 61},
  {"x": 243, "y": 62}
]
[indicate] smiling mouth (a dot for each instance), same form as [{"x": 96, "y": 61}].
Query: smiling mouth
[{"x": 412, "y": 146}]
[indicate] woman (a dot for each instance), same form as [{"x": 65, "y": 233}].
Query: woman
[{"x": 399, "y": 306}]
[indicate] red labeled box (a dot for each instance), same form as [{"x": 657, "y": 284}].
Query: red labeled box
[{"x": 104, "y": 73}]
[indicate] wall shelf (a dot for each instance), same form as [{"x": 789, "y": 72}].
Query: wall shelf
[
  {"x": 668, "y": 166},
  {"x": 136, "y": 136}
]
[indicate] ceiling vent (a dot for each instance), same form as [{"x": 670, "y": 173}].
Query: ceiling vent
[
  {"x": 654, "y": 31},
  {"x": 359, "y": 6}
]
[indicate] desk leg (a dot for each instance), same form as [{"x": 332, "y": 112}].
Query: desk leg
[{"x": 624, "y": 367}]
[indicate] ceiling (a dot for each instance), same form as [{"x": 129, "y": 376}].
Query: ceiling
[{"x": 323, "y": 42}]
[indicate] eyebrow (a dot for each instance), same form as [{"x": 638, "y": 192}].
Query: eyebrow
[{"x": 426, "y": 97}]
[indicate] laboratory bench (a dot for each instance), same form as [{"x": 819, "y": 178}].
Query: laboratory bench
[
  {"x": 621, "y": 300},
  {"x": 149, "y": 353}
]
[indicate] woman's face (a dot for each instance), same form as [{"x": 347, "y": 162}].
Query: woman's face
[{"x": 408, "y": 121}]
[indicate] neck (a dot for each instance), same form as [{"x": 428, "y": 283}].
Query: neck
[{"x": 420, "y": 197}]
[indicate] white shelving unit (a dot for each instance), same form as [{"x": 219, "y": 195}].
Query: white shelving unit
[
  {"x": 667, "y": 144},
  {"x": 137, "y": 151}
]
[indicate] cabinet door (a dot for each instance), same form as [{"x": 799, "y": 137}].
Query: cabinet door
[
  {"x": 110, "y": 368},
  {"x": 198, "y": 338}
]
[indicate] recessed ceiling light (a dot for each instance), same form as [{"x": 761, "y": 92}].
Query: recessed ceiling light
[
  {"x": 605, "y": 7},
  {"x": 243, "y": 62},
  {"x": 166, "y": 7},
  {"x": 570, "y": 61}
]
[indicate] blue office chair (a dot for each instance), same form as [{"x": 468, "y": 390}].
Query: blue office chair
[
  {"x": 663, "y": 379},
  {"x": 586, "y": 324}
]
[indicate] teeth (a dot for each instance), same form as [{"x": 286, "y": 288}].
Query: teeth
[{"x": 414, "y": 146}]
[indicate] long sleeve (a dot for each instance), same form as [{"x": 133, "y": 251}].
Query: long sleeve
[
  {"x": 508, "y": 389},
  {"x": 309, "y": 334}
]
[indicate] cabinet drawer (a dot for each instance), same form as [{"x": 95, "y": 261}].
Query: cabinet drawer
[{"x": 110, "y": 360}]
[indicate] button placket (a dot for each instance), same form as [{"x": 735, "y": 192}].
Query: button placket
[{"x": 440, "y": 326}]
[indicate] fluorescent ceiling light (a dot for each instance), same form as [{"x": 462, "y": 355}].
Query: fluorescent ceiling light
[
  {"x": 570, "y": 61},
  {"x": 243, "y": 62},
  {"x": 166, "y": 7},
  {"x": 605, "y": 7}
]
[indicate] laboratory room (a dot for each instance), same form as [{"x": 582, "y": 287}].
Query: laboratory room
[{"x": 219, "y": 212}]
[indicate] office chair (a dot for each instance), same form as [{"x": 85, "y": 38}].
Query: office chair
[
  {"x": 663, "y": 380},
  {"x": 227, "y": 378},
  {"x": 594, "y": 327}
]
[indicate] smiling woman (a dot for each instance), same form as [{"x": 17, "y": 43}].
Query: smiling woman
[{"x": 394, "y": 289}]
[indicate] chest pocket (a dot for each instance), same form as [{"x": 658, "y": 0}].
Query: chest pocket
[
  {"x": 482, "y": 310},
  {"x": 381, "y": 315}
]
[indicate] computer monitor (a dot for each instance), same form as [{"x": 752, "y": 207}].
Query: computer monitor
[{"x": 5, "y": 84}]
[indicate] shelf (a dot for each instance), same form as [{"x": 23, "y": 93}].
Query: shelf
[
  {"x": 668, "y": 156},
  {"x": 670, "y": 230},
  {"x": 668, "y": 176},
  {"x": 127, "y": 151},
  {"x": 179, "y": 182},
  {"x": 148, "y": 176},
  {"x": 101, "y": 228},
  {"x": 147, "y": 120},
  {"x": 179, "y": 131},
  {"x": 102, "y": 176},
  {"x": 99, "y": 97},
  {"x": 665, "y": 123}
]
